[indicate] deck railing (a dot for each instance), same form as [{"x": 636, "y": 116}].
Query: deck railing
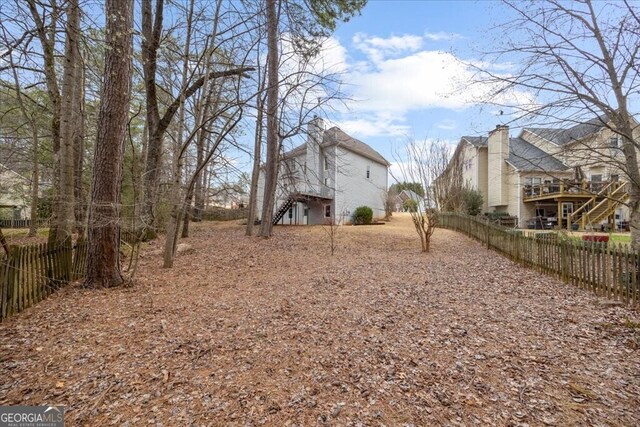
[{"x": 569, "y": 188}]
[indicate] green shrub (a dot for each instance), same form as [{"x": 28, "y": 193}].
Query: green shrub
[
  {"x": 410, "y": 205},
  {"x": 362, "y": 215},
  {"x": 473, "y": 202}
]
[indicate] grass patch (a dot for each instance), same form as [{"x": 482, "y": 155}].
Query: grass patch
[
  {"x": 620, "y": 238},
  {"x": 16, "y": 233},
  {"x": 632, "y": 324}
]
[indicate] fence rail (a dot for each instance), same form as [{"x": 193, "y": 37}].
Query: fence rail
[
  {"x": 22, "y": 223},
  {"x": 31, "y": 273},
  {"x": 608, "y": 270}
]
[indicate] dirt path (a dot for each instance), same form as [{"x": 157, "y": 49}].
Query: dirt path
[{"x": 247, "y": 332}]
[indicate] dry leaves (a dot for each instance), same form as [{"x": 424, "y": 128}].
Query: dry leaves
[{"x": 245, "y": 331}]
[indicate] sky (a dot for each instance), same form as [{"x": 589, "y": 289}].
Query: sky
[{"x": 403, "y": 63}]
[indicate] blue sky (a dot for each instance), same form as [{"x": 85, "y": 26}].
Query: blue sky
[{"x": 401, "y": 62}]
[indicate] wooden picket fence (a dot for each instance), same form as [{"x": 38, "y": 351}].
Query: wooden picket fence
[
  {"x": 23, "y": 223},
  {"x": 609, "y": 270},
  {"x": 31, "y": 273}
]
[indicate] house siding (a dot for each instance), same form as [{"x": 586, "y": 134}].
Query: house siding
[
  {"x": 337, "y": 174},
  {"x": 354, "y": 189}
]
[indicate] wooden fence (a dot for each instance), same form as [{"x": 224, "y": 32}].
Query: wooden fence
[
  {"x": 22, "y": 223},
  {"x": 608, "y": 270},
  {"x": 31, "y": 273}
]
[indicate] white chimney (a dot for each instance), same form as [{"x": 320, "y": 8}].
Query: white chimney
[
  {"x": 315, "y": 133},
  {"x": 498, "y": 153}
]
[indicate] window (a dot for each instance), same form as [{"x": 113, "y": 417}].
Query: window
[
  {"x": 368, "y": 172},
  {"x": 614, "y": 142},
  {"x": 326, "y": 163},
  {"x": 291, "y": 212},
  {"x": 596, "y": 178},
  {"x": 327, "y": 211},
  {"x": 567, "y": 209},
  {"x": 326, "y": 182},
  {"x": 532, "y": 180}
]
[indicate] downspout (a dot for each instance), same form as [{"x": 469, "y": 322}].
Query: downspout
[{"x": 519, "y": 198}]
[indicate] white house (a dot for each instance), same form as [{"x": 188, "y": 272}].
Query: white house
[
  {"x": 15, "y": 197},
  {"x": 327, "y": 178}
]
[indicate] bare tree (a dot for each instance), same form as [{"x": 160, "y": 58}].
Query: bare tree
[
  {"x": 577, "y": 60},
  {"x": 103, "y": 255},
  {"x": 423, "y": 163},
  {"x": 308, "y": 23},
  {"x": 68, "y": 116},
  {"x": 273, "y": 143},
  {"x": 35, "y": 173},
  {"x": 449, "y": 187},
  {"x": 157, "y": 124}
]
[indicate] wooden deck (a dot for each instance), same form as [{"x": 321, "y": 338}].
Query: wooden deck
[{"x": 568, "y": 190}]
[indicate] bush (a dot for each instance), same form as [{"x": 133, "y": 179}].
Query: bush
[
  {"x": 410, "y": 205},
  {"x": 473, "y": 202},
  {"x": 362, "y": 215}
]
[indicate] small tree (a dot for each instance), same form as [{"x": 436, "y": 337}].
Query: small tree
[
  {"x": 424, "y": 163},
  {"x": 389, "y": 202},
  {"x": 330, "y": 227},
  {"x": 362, "y": 215},
  {"x": 473, "y": 202},
  {"x": 410, "y": 205}
]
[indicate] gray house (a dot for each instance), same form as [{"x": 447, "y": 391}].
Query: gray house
[{"x": 326, "y": 178}]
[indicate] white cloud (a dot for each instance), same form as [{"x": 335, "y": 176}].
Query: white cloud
[
  {"x": 378, "y": 48},
  {"x": 375, "y": 126},
  {"x": 398, "y": 77},
  {"x": 441, "y": 35}
]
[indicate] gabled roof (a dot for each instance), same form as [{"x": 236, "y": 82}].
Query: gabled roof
[
  {"x": 410, "y": 194},
  {"x": 476, "y": 141},
  {"x": 335, "y": 136},
  {"x": 561, "y": 136},
  {"x": 525, "y": 156}
]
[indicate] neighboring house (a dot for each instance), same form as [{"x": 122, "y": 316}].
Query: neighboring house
[
  {"x": 548, "y": 177},
  {"x": 327, "y": 178},
  {"x": 15, "y": 195},
  {"x": 405, "y": 195}
]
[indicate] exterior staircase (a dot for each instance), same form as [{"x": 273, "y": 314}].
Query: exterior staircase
[
  {"x": 603, "y": 205},
  {"x": 282, "y": 210}
]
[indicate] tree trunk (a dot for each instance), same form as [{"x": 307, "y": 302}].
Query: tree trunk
[
  {"x": 78, "y": 153},
  {"x": 47, "y": 38},
  {"x": 255, "y": 173},
  {"x": 151, "y": 32},
  {"x": 271, "y": 168},
  {"x": 188, "y": 212},
  {"x": 65, "y": 201},
  {"x": 171, "y": 238},
  {"x": 103, "y": 257}
]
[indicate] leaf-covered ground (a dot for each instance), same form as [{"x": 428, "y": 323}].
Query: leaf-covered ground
[{"x": 245, "y": 331}]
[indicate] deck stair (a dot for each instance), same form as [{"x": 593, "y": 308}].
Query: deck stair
[
  {"x": 282, "y": 210},
  {"x": 601, "y": 206}
]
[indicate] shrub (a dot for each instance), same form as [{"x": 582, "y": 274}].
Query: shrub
[
  {"x": 362, "y": 215},
  {"x": 410, "y": 205},
  {"x": 473, "y": 202}
]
